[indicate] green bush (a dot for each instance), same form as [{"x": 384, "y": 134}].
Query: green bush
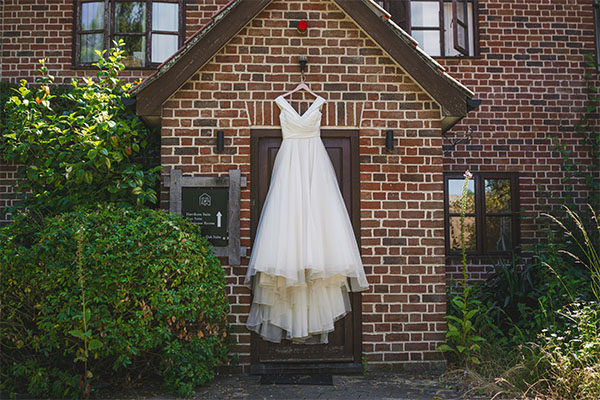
[
  {"x": 546, "y": 314},
  {"x": 572, "y": 353},
  {"x": 80, "y": 147},
  {"x": 109, "y": 295},
  {"x": 6, "y": 92}
]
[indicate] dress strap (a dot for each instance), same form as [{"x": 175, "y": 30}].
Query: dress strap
[
  {"x": 319, "y": 101},
  {"x": 279, "y": 101}
]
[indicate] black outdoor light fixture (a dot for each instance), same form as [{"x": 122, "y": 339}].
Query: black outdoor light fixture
[
  {"x": 303, "y": 62},
  {"x": 220, "y": 140},
  {"x": 389, "y": 140}
]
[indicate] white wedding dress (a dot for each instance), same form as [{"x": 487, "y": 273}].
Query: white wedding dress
[{"x": 304, "y": 251}]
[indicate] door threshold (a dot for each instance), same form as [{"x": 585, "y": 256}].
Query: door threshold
[{"x": 344, "y": 368}]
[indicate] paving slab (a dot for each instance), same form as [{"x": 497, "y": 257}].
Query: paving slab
[{"x": 387, "y": 386}]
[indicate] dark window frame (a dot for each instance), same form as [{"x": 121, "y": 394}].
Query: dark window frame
[
  {"x": 480, "y": 213},
  {"x": 405, "y": 23},
  {"x": 109, "y": 30}
]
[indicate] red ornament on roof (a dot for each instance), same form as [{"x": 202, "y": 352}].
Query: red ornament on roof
[{"x": 302, "y": 26}]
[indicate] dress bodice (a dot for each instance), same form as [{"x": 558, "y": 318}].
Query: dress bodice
[{"x": 296, "y": 126}]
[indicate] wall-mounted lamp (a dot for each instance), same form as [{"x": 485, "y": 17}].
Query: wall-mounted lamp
[
  {"x": 389, "y": 140},
  {"x": 220, "y": 140},
  {"x": 303, "y": 62}
]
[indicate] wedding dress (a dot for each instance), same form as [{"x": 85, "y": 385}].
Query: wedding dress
[{"x": 304, "y": 251}]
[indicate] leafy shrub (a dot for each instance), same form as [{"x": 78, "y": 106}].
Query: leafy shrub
[
  {"x": 514, "y": 302},
  {"x": 6, "y": 92},
  {"x": 109, "y": 294},
  {"x": 553, "y": 346},
  {"x": 572, "y": 353},
  {"x": 82, "y": 155}
]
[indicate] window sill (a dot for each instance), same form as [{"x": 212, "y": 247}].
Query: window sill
[
  {"x": 93, "y": 67},
  {"x": 480, "y": 256},
  {"x": 456, "y": 58}
]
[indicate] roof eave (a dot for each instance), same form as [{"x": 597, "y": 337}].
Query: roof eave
[
  {"x": 428, "y": 73},
  {"x": 174, "y": 72}
]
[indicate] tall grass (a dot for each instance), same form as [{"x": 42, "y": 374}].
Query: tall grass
[
  {"x": 564, "y": 362},
  {"x": 586, "y": 245}
]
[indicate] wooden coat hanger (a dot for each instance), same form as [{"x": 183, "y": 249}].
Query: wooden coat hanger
[{"x": 301, "y": 85}]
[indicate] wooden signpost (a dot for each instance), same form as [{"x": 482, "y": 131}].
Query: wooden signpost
[{"x": 213, "y": 202}]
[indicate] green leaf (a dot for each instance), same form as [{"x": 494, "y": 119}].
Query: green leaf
[
  {"x": 458, "y": 303},
  {"x": 92, "y": 154},
  {"x": 453, "y": 318},
  {"x": 77, "y": 333},
  {"x": 445, "y": 347},
  {"x": 95, "y": 344},
  {"x": 89, "y": 178}
]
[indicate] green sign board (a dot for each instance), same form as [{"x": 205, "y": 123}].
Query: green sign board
[{"x": 207, "y": 207}]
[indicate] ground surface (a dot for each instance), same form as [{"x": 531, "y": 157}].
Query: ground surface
[{"x": 371, "y": 386}]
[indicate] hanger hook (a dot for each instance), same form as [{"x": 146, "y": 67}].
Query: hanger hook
[{"x": 302, "y": 66}]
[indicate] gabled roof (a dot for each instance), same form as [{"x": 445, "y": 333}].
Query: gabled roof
[{"x": 454, "y": 98}]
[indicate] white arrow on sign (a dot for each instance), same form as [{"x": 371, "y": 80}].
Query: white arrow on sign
[{"x": 219, "y": 215}]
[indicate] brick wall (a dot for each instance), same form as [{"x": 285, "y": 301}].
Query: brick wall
[
  {"x": 530, "y": 77},
  {"x": 34, "y": 29},
  {"x": 401, "y": 192}
]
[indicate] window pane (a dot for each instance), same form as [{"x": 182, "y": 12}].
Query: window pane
[
  {"x": 163, "y": 46},
  {"x": 497, "y": 195},
  {"x": 130, "y": 17},
  {"x": 455, "y": 187},
  {"x": 462, "y": 38},
  {"x": 470, "y": 237},
  {"x": 428, "y": 41},
  {"x": 165, "y": 17},
  {"x": 448, "y": 34},
  {"x": 92, "y": 16},
  {"x": 135, "y": 50},
  {"x": 425, "y": 13},
  {"x": 498, "y": 233},
  {"x": 90, "y": 43},
  {"x": 460, "y": 9}
]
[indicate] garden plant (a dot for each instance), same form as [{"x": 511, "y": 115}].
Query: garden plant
[
  {"x": 97, "y": 290},
  {"x": 538, "y": 314},
  {"x": 82, "y": 152}
]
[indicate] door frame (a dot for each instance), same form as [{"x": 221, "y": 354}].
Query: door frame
[{"x": 256, "y": 367}]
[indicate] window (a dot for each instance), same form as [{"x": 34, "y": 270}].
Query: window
[
  {"x": 152, "y": 30},
  {"x": 443, "y": 28},
  {"x": 597, "y": 31},
  {"x": 491, "y": 217}
]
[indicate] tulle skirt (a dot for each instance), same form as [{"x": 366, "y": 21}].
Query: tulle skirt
[{"x": 305, "y": 257}]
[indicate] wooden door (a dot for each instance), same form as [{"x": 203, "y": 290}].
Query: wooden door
[{"x": 343, "y": 352}]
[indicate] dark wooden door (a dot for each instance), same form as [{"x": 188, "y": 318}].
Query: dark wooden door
[{"x": 345, "y": 342}]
